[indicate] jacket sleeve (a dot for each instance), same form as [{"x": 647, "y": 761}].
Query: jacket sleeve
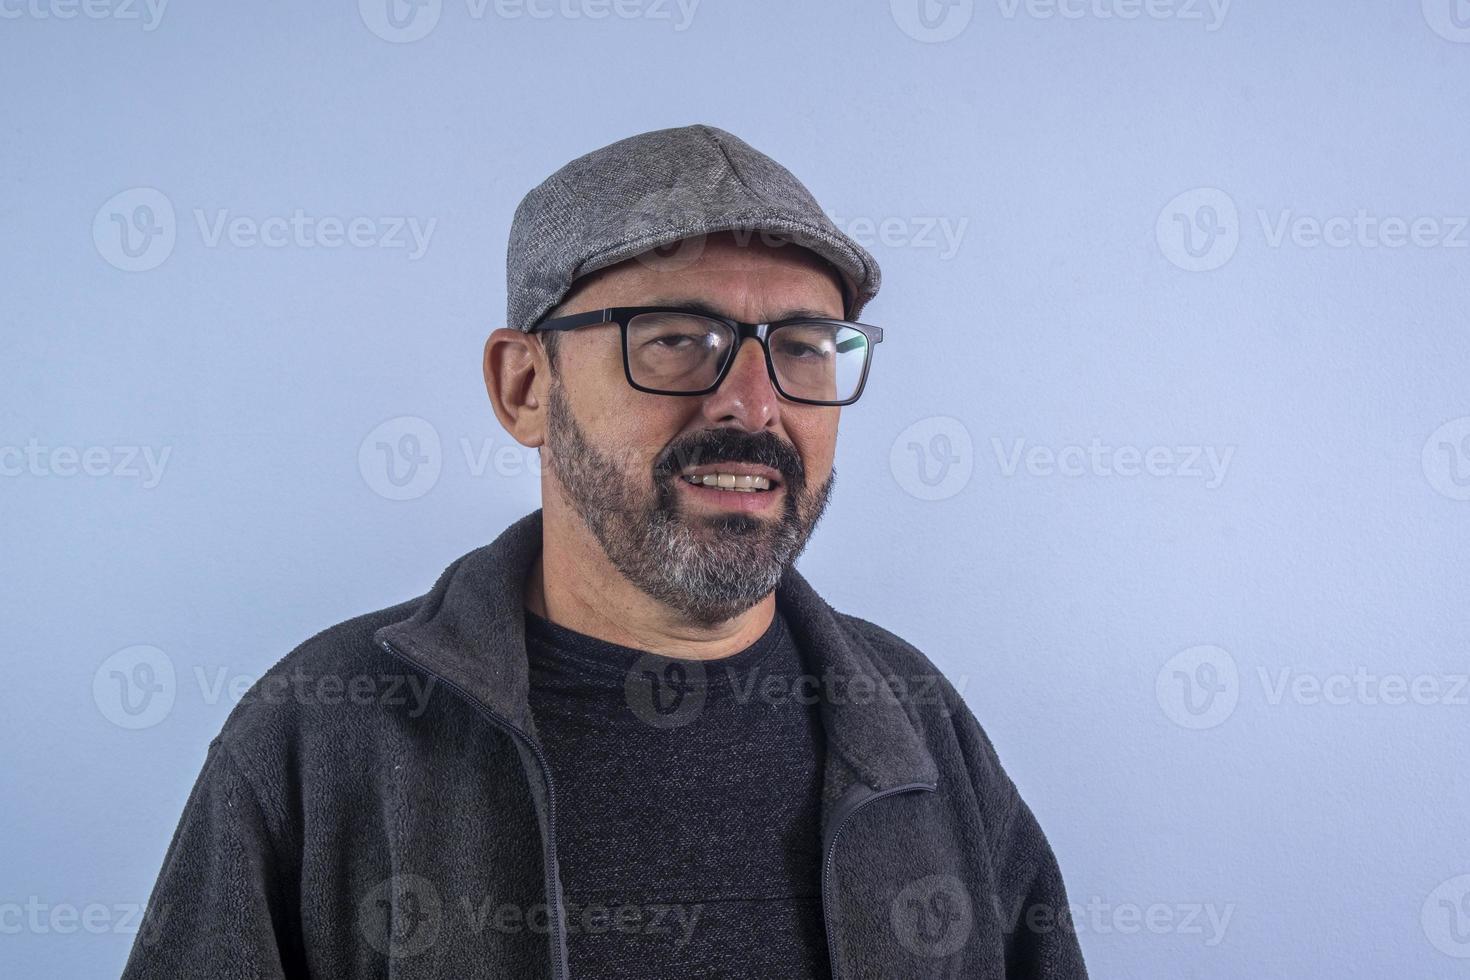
[
  {"x": 217, "y": 910},
  {"x": 1030, "y": 896},
  {"x": 1041, "y": 941}
]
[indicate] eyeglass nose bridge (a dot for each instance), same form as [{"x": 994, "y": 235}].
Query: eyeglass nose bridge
[{"x": 743, "y": 332}]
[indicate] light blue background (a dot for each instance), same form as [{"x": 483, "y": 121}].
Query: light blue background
[{"x": 1070, "y": 608}]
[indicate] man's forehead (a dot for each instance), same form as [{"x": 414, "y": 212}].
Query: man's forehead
[{"x": 703, "y": 304}]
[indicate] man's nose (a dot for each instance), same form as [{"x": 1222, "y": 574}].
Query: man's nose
[{"x": 746, "y": 395}]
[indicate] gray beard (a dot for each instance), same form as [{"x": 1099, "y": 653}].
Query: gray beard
[{"x": 710, "y": 569}]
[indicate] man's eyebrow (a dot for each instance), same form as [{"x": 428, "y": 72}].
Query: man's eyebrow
[{"x": 701, "y": 306}]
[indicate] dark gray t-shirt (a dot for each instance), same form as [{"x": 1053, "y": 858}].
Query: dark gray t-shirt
[{"x": 688, "y": 806}]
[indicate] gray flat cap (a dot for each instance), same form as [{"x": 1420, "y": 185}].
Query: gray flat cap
[{"x": 654, "y": 189}]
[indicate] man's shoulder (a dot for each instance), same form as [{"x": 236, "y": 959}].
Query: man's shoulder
[
  {"x": 319, "y": 685},
  {"x": 900, "y": 658},
  {"x": 884, "y": 639},
  {"x": 936, "y": 704}
]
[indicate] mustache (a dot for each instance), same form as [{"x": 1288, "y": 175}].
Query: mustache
[{"x": 732, "y": 446}]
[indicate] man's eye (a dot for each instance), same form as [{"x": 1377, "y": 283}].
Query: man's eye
[{"x": 682, "y": 342}]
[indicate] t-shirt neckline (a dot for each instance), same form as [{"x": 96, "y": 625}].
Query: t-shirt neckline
[{"x": 545, "y": 638}]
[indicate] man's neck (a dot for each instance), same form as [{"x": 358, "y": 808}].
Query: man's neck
[{"x": 573, "y": 584}]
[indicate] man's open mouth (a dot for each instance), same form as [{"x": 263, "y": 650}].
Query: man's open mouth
[{"x": 738, "y": 482}]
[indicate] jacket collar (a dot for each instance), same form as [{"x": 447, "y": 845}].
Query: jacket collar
[{"x": 469, "y": 630}]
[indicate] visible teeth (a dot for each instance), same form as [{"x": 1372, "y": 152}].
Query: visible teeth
[{"x": 742, "y": 482}]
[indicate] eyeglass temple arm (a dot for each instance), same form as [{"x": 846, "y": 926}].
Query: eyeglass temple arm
[{"x": 571, "y": 322}]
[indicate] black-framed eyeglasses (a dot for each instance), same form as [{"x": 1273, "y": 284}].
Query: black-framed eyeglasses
[{"x": 673, "y": 350}]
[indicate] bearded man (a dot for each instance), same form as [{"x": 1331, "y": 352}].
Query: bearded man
[{"x": 643, "y": 745}]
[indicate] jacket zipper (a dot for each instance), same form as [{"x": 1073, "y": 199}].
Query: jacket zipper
[
  {"x": 552, "y": 884},
  {"x": 838, "y": 823}
]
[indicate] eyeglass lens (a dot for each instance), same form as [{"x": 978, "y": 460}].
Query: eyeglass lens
[{"x": 682, "y": 352}]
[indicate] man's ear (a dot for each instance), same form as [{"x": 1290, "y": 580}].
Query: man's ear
[{"x": 516, "y": 378}]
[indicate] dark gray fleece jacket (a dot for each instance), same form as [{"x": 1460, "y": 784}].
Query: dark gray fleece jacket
[{"x": 378, "y": 806}]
